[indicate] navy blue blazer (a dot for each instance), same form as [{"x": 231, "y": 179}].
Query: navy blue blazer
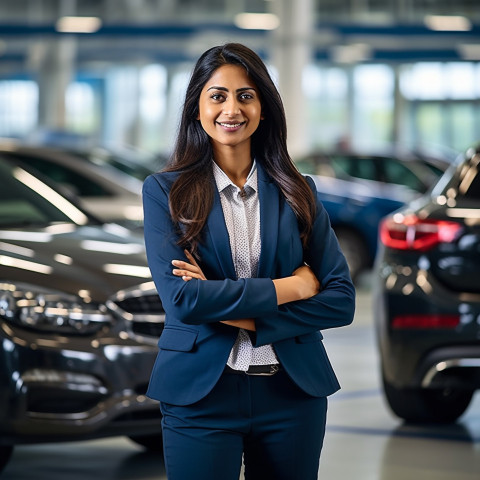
[{"x": 194, "y": 346}]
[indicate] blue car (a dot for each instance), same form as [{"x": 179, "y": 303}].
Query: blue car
[
  {"x": 358, "y": 190},
  {"x": 355, "y": 209}
]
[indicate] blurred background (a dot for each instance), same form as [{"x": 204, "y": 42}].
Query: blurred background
[
  {"x": 383, "y": 109},
  {"x": 362, "y": 73}
]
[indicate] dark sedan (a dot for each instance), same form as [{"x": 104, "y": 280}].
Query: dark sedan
[
  {"x": 427, "y": 299},
  {"x": 79, "y": 322}
]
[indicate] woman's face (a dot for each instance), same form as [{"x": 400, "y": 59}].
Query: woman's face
[{"x": 229, "y": 107}]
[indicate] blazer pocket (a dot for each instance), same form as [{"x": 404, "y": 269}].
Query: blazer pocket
[
  {"x": 178, "y": 339},
  {"x": 309, "y": 337}
]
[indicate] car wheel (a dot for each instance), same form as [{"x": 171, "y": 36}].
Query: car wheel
[
  {"x": 420, "y": 405},
  {"x": 154, "y": 443},
  {"x": 5, "y": 454},
  {"x": 354, "y": 249}
]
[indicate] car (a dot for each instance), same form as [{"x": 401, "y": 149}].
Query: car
[
  {"x": 355, "y": 210},
  {"x": 128, "y": 160},
  {"x": 427, "y": 298},
  {"x": 409, "y": 171},
  {"x": 101, "y": 187},
  {"x": 359, "y": 189},
  {"x": 79, "y": 321}
]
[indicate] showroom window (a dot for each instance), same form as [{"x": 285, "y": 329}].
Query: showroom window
[
  {"x": 82, "y": 106},
  {"x": 443, "y": 102},
  {"x": 326, "y": 89},
  {"x": 18, "y": 107},
  {"x": 373, "y": 105}
]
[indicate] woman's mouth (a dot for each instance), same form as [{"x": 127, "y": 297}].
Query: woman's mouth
[{"x": 231, "y": 126}]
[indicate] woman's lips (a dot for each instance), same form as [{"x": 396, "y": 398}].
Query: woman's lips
[{"x": 231, "y": 126}]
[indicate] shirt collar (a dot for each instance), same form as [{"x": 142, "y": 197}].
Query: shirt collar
[{"x": 222, "y": 180}]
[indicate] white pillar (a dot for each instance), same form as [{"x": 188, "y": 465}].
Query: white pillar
[
  {"x": 291, "y": 47},
  {"x": 56, "y": 70},
  {"x": 55, "y": 61}
]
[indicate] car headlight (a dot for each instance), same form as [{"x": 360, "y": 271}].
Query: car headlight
[{"x": 37, "y": 308}]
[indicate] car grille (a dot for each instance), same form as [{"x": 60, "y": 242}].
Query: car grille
[
  {"x": 146, "y": 304},
  {"x": 142, "y": 310}
]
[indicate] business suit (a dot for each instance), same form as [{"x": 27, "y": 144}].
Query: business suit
[{"x": 194, "y": 346}]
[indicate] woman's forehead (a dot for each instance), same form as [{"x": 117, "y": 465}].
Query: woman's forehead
[{"x": 231, "y": 74}]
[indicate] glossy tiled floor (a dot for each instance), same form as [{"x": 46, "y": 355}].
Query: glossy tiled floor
[{"x": 363, "y": 442}]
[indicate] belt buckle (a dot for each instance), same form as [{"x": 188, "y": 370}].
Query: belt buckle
[{"x": 273, "y": 370}]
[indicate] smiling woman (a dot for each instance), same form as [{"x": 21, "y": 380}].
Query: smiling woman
[
  {"x": 230, "y": 109},
  {"x": 248, "y": 270}
]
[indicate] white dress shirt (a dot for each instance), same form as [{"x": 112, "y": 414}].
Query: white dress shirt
[{"x": 241, "y": 210}]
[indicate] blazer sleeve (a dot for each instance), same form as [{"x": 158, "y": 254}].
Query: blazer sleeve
[
  {"x": 333, "y": 307},
  {"x": 195, "y": 302}
]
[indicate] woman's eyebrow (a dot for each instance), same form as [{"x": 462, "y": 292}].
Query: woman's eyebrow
[{"x": 224, "y": 89}]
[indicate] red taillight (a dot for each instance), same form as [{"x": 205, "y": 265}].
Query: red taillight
[
  {"x": 425, "y": 321},
  {"x": 408, "y": 232}
]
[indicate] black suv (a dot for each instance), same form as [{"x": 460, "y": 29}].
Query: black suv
[
  {"x": 79, "y": 322},
  {"x": 427, "y": 298}
]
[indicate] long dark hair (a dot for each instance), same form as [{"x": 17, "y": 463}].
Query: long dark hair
[{"x": 192, "y": 193}]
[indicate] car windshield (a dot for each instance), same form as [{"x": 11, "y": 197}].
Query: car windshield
[
  {"x": 135, "y": 165},
  {"x": 25, "y": 200}
]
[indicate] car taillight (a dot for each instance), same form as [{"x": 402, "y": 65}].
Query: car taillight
[
  {"x": 425, "y": 321},
  {"x": 408, "y": 232}
]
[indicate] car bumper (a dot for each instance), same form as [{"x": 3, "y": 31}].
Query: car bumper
[
  {"x": 425, "y": 357},
  {"x": 450, "y": 367},
  {"x": 74, "y": 387}
]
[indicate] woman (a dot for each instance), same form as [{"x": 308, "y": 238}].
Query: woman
[{"x": 249, "y": 272}]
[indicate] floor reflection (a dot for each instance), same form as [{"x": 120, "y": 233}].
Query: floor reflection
[{"x": 115, "y": 458}]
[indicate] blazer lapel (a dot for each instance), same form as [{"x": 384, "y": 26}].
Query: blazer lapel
[
  {"x": 219, "y": 237},
  {"x": 269, "y": 220}
]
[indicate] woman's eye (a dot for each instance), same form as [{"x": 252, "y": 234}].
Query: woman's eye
[
  {"x": 246, "y": 96},
  {"x": 217, "y": 97}
]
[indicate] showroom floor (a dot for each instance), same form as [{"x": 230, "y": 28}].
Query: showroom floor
[{"x": 364, "y": 441}]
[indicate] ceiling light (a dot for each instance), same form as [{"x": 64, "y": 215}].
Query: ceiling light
[
  {"x": 78, "y": 24},
  {"x": 257, "y": 21},
  {"x": 446, "y": 23}
]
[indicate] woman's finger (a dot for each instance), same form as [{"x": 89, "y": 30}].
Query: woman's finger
[
  {"x": 185, "y": 273},
  {"x": 191, "y": 258},
  {"x": 194, "y": 262},
  {"x": 186, "y": 266}
]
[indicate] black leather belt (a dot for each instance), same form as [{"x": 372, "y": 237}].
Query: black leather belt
[{"x": 258, "y": 370}]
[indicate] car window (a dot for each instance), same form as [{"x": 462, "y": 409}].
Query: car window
[
  {"x": 358, "y": 167},
  {"x": 393, "y": 171},
  {"x": 78, "y": 183},
  {"x": 138, "y": 168},
  {"x": 20, "y": 204}
]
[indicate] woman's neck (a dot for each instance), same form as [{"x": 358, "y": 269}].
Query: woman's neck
[{"x": 235, "y": 164}]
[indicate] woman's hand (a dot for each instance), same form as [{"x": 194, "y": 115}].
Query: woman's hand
[
  {"x": 188, "y": 270},
  {"x": 301, "y": 285},
  {"x": 309, "y": 283},
  {"x": 192, "y": 270},
  {"x": 246, "y": 324}
]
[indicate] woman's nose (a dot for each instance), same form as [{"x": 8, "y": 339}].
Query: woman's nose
[{"x": 231, "y": 107}]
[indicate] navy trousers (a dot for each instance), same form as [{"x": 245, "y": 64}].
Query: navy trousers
[{"x": 274, "y": 426}]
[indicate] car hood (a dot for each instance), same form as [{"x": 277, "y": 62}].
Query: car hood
[{"x": 93, "y": 260}]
